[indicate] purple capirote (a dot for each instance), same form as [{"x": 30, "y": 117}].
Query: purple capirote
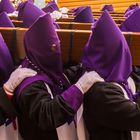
[
  {"x": 44, "y": 56},
  {"x": 5, "y": 21},
  {"x": 84, "y": 15},
  {"x": 132, "y": 23},
  {"x": 107, "y": 52},
  {"x": 6, "y": 6}
]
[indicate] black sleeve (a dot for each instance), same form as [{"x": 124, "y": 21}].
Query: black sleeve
[
  {"x": 74, "y": 73},
  {"x": 47, "y": 113},
  {"x": 7, "y": 109},
  {"x": 106, "y": 106}
]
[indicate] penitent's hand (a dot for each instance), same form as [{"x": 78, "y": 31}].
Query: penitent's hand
[
  {"x": 87, "y": 80},
  {"x": 17, "y": 76}
]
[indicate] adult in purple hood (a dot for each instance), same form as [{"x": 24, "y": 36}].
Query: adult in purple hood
[
  {"x": 6, "y": 6},
  {"x": 29, "y": 13},
  {"x": 5, "y": 21},
  {"x": 132, "y": 23},
  {"x": 108, "y": 7},
  {"x": 83, "y": 14},
  {"x": 6, "y": 92},
  {"x": 50, "y": 7},
  {"x": 111, "y": 108},
  {"x": 131, "y": 9},
  {"x": 48, "y": 102}
]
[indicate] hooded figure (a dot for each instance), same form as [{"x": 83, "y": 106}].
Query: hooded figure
[
  {"x": 8, "y": 82},
  {"x": 115, "y": 104},
  {"x": 6, "y": 6},
  {"x": 29, "y": 13},
  {"x": 127, "y": 14},
  {"x": 52, "y": 102},
  {"x": 48, "y": 41},
  {"x": 6, "y": 108},
  {"x": 131, "y": 9},
  {"x": 20, "y": 4},
  {"x": 26, "y": 11},
  {"x": 83, "y": 14},
  {"x": 5, "y": 20},
  {"x": 53, "y": 9},
  {"x": 6, "y": 62},
  {"x": 78, "y": 10},
  {"x": 108, "y": 7},
  {"x": 132, "y": 23},
  {"x": 50, "y": 7},
  {"x": 6, "y": 67}
]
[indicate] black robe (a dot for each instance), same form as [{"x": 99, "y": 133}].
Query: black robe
[
  {"x": 108, "y": 114},
  {"x": 7, "y": 109},
  {"x": 35, "y": 101}
]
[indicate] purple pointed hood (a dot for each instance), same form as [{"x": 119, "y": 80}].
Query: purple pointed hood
[
  {"x": 129, "y": 13},
  {"x": 42, "y": 46},
  {"x": 131, "y": 7},
  {"x": 50, "y": 7},
  {"x": 107, "y": 51},
  {"x": 6, "y": 6},
  {"x": 28, "y": 12},
  {"x": 6, "y": 62},
  {"x": 84, "y": 14},
  {"x": 20, "y": 4},
  {"x": 5, "y": 20},
  {"x": 132, "y": 23},
  {"x": 108, "y": 7},
  {"x": 78, "y": 10}
]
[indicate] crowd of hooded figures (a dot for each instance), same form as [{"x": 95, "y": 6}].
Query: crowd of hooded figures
[{"x": 95, "y": 99}]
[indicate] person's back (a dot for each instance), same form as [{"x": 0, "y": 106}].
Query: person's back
[
  {"x": 108, "y": 119},
  {"x": 111, "y": 108}
]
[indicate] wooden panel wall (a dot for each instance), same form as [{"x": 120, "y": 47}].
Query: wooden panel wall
[{"x": 119, "y": 5}]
